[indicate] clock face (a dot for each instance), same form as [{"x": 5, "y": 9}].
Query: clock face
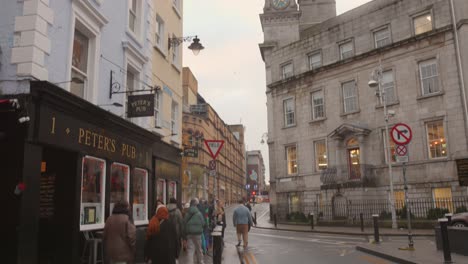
[{"x": 280, "y": 4}]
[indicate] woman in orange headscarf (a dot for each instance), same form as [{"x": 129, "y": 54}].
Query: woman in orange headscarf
[{"x": 161, "y": 238}]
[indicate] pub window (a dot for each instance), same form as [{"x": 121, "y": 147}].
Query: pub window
[
  {"x": 120, "y": 177},
  {"x": 93, "y": 184},
  {"x": 172, "y": 190},
  {"x": 140, "y": 196},
  {"x": 161, "y": 190}
]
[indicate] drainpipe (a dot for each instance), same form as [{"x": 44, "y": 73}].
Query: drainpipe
[{"x": 460, "y": 66}]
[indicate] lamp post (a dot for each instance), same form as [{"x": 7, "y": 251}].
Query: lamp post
[
  {"x": 196, "y": 46},
  {"x": 376, "y": 83}
]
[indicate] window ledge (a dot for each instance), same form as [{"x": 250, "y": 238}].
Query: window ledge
[
  {"x": 290, "y": 126},
  {"x": 176, "y": 67},
  {"x": 160, "y": 50},
  {"x": 397, "y": 102},
  {"x": 422, "y": 97},
  {"x": 318, "y": 120},
  {"x": 176, "y": 10},
  {"x": 134, "y": 37},
  {"x": 350, "y": 113}
]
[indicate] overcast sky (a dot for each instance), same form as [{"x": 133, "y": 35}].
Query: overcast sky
[{"x": 230, "y": 70}]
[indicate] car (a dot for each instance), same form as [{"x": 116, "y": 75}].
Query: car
[{"x": 460, "y": 220}]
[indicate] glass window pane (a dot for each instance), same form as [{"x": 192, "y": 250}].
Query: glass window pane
[
  {"x": 92, "y": 193},
  {"x": 120, "y": 175},
  {"x": 291, "y": 160},
  {"x": 443, "y": 198},
  {"x": 318, "y": 105},
  {"x": 288, "y": 106},
  {"x": 140, "y": 194},
  {"x": 422, "y": 24},
  {"x": 80, "y": 52},
  {"x": 315, "y": 61},
  {"x": 346, "y": 50},
  {"x": 161, "y": 190},
  {"x": 172, "y": 188},
  {"x": 437, "y": 142},
  {"x": 287, "y": 70},
  {"x": 321, "y": 161}
]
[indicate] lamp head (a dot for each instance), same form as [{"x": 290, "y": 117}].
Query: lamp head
[
  {"x": 373, "y": 84},
  {"x": 196, "y": 46}
]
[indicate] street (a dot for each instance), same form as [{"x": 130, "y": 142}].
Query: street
[{"x": 273, "y": 246}]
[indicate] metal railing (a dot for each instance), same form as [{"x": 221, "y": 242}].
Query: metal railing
[{"x": 362, "y": 175}]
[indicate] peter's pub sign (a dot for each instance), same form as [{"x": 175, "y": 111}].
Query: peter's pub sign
[{"x": 140, "y": 105}]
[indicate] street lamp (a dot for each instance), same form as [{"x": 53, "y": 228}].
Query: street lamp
[
  {"x": 196, "y": 46},
  {"x": 264, "y": 136},
  {"x": 376, "y": 83}
]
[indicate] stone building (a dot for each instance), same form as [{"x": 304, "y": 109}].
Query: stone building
[
  {"x": 200, "y": 123},
  {"x": 326, "y": 136}
]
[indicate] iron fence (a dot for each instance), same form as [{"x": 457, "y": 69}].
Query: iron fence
[{"x": 350, "y": 210}]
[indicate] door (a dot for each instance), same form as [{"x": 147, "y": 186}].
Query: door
[{"x": 354, "y": 164}]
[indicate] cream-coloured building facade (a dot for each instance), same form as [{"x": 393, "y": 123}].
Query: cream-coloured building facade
[{"x": 326, "y": 126}]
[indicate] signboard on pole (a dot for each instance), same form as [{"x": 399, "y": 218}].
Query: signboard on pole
[
  {"x": 212, "y": 164},
  {"x": 401, "y": 134},
  {"x": 214, "y": 147}
]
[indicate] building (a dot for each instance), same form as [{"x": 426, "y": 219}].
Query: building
[
  {"x": 326, "y": 127},
  {"x": 224, "y": 178},
  {"x": 255, "y": 184},
  {"x": 70, "y": 149}
]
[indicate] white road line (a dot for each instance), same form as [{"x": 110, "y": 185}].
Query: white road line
[{"x": 312, "y": 240}]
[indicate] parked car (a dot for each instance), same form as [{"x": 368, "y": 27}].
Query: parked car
[{"x": 460, "y": 220}]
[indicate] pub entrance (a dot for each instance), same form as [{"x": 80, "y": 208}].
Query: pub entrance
[{"x": 57, "y": 239}]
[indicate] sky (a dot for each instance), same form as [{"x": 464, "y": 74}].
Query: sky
[{"x": 230, "y": 70}]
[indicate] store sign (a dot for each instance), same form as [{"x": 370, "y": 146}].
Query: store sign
[
  {"x": 462, "y": 168},
  {"x": 140, "y": 105}
]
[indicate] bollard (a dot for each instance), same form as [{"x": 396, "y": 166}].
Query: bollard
[
  {"x": 361, "y": 218},
  {"x": 312, "y": 221},
  {"x": 445, "y": 241},
  {"x": 274, "y": 219},
  {"x": 255, "y": 216},
  {"x": 375, "y": 217},
  {"x": 449, "y": 218}
]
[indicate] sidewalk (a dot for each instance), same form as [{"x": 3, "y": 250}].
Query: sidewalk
[
  {"x": 425, "y": 252},
  {"x": 230, "y": 256}
]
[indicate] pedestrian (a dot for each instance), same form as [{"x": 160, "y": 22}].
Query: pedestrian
[
  {"x": 175, "y": 217},
  {"x": 161, "y": 242},
  {"x": 194, "y": 225},
  {"x": 220, "y": 216},
  {"x": 242, "y": 220},
  {"x": 119, "y": 236}
]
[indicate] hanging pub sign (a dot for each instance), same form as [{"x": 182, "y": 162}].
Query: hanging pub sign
[{"x": 140, "y": 105}]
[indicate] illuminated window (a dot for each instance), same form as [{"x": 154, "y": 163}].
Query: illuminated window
[
  {"x": 119, "y": 183},
  {"x": 140, "y": 196},
  {"x": 93, "y": 182},
  {"x": 291, "y": 159},
  {"x": 321, "y": 161},
  {"x": 399, "y": 199},
  {"x": 294, "y": 203},
  {"x": 422, "y": 23},
  {"x": 437, "y": 143},
  {"x": 443, "y": 198}
]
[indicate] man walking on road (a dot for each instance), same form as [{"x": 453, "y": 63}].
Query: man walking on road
[
  {"x": 242, "y": 220},
  {"x": 194, "y": 225}
]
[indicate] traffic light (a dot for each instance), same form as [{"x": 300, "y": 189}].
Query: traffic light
[{"x": 253, "y": 193}]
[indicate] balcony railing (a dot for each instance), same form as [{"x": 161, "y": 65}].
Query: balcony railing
[{"x": 362, "y": 175}]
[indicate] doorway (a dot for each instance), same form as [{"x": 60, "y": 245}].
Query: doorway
[
  {"x": 57, "y": 240},
  {"x": 354, "y": 160}
]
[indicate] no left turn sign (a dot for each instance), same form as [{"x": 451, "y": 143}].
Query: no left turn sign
[{"x": 401, "y": 134}]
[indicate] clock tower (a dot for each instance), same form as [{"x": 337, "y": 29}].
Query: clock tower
[{"x": 280, "y": 22}]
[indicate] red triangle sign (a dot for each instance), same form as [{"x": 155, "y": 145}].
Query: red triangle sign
[{"x": 214, "y": 147}]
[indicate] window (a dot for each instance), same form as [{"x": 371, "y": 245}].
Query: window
[
  {"x": 318, "y": 110},
  {"x": 175, "y": 53},
  {"x": 159, "y": 41},
  {"x": 388, "y": 142},
  {"x": 161, "y": 190},
  {"x": 388, "y": 86},
  {"x": 321, "y": 161},
  {"x": 399, "y": 199},
  {"x": 79, "y": 68},
  {"x": 130, "y": 81},
  {"x": 443, "y": 198},
  {"x": 294, "y": 203},
  {"x": 132, "y": 15},
  {"x": 437, "y": 143},
  {"x": 287, "y": 70},
  {"x": 429, "y": 76},
  {"x": 140, "y": 200},
  {"x": 176, "y": 4},
  {"x": 346, "y": 50},
  {"x": 350, "y": 100},
  {"x": 291, "y": 159},
  {"x": 93, "y": 182},
  {"x": 174, "y": 117},
  {"x": 157, "y": 111},
  {"x": 172, "y": 190},
  {"x": 382, "y": 37},
  {"x": 422, "y": 23},
  {"x": 288, "y": 108},
  {"x": 119, "y": 185},
  {"x": 190, "y": 138},
  {"x": 315, "y": 60}
]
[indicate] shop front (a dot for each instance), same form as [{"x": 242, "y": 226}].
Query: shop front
[
  {"x": 66, "y": 168},
  {"x": 167, "y": 163}
]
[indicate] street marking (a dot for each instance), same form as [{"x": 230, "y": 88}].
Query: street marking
[{"x": 313, "y": 240}]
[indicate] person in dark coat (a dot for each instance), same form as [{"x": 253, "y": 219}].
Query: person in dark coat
[
  {"x": 161, "y": 238},
  {"x": 119, "y": 235}
]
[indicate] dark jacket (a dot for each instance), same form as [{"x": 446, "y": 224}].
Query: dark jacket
[
  {"x": 119, "y": 239},
  {"x": 194, "y": 222},
  {"x": 161, "y": 248}
]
